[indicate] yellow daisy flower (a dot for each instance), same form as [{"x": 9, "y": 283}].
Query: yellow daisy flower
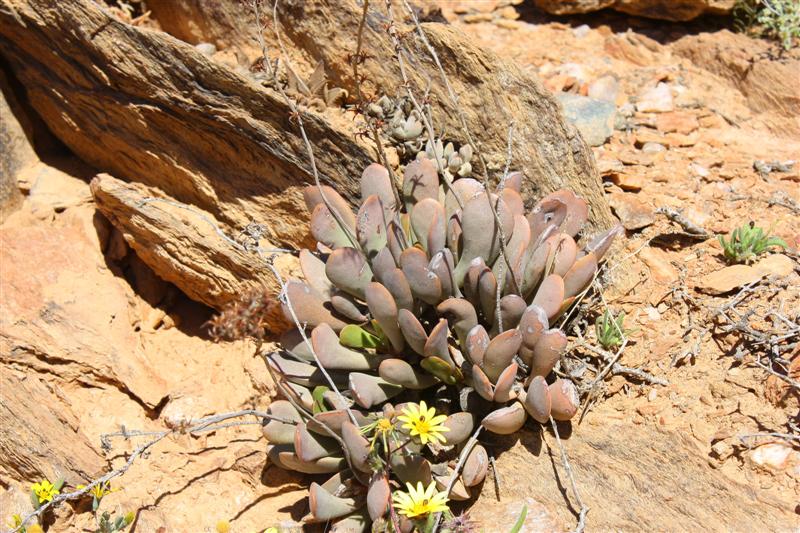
[
  {"x": 420, "y": 501},
  {"x": 44, "y": 491},
  {"x": 423, "y": 422},
  {"x": 100, "y": 490}
]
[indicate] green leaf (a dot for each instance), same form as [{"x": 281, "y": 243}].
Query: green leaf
[
  {"x": 35, "y": 500},
  {"x": 354, "y": 336},
  {"x": 520, "y": 521},
  {"x": 318, "y": 406},
  {"x": 95, "y": 504},
  {"x": 58, "y": 484},
  {"x": 441, "y": 369}
]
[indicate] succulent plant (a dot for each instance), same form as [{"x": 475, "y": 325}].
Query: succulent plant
[
  {"x": 314, "y": 92},
  {"x": 402, "y": 124},
  {"x": 414, "y": 302},
  {"x": 456, "y": 163}
]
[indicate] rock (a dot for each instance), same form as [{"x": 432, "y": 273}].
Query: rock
[
  {"x": 45, "y": 315},
  {"x": 181, "y": 247},
  {"x": 628, "y": 454},
  {"x": 658, "y": 9},
  {"x": 604, "y": 88},
  {"x": 747, "y": 65},
  {"x": 207, "y": 49},
  {"x": 775, "y": 456},
  {"x": 632, "y": 212},
  {"x": 727, "y": 279},
  {"x": 180, "y": 121},
  {"x": 627, "y": 182},
  {"x": 661, "y": 270},
  {"x": 593, "y": 118},
  {"x": 775, "y": 265},
  {"x": 41, "y": 437},
  {"x": 655, "y": 100},
  {"x": 677, "y": 121},
  {"x": 651, "y": 148},
  {"x": 735, "y": 276},
  {"x": 16, "y": 151}
]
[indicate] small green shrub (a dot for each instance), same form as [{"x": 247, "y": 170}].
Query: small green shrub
[
  {"x": 611, "y": 330},
  {"x": 776, "y": 19},
  {"x": 748, "y": 242}
]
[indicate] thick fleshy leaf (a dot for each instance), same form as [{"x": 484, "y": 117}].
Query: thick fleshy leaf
[
  {"x": 303, "y": 373},
  {"x": 338, "y": 482},
  {"x": 514, "y": 181},
  {"x": 531, "y": 325},
  {"x": 345, "y": 306},
  {"x": 564, "y": 399},
  {"x": 382, "y": 263},
  {"x": 325, "y": 506},
  {"x": 458, "y": 491},
  {"x": 348, "y": 271},
  {"x": 326, "y": 229},
  {"x": 375, "y": 180},
  {"x": 300, "y": 395},
  {"x": 487, "y": 294},
  {"x": 314, "y": 271},
  {"x": 396, "y": 240},
  {"x": 535, "y": 261},
  {"x": 283, "y": 457},
  {"x": 354, "y": 336},
  {"x": 401, "y": 373},
  {"x": 411, "y": 468},
  {"x": 378, "y": 496},
  {"x": 428, "y": 222},
  {"x": 384, "y": 311},
  {"x": 424, "y": 283},
  {"x": 333, "y": 356},
  {"x": 279, "y": 432},
  {"x": 502, "y": 390},
  {"x": 371, "y": 226},
  {"x": 511, "y": 309},
  {"x": 357, "y": 446},
  {"x": 436, "y": 345},
  {"x": 443, "y": 266},
  {"x": 461, "y": 315},
  {"x": 412, "y": 330},
  {"x": 466, "y": 188},
  {"x": 334, "y": 421},
  {"x": 577, "y": 211},
  {"x": 476, "y": 344},
  {"x": 420, "y": 181},
  {"x": 506, "y": 420},
  {"x": 549, "y": 211},
  {"x": 481, "y": 235},
  {"x": 563, "y": 252},
  {"x": 481, "y": 383},
  {"x": 313, "y": 199},
  {"x": 309, "y": 305},
  {"x": 548, "y": 350},
  {"x": 454, "y": 234},
  {"x": 514, "y": 202},
  {"x": 474, "y": 272},
  {"x": 516, "y": 248},
  {"x": 580, "y": 275},
  {"x": 550, "y": 295},
  {"x": 600, "y": 244},
  {"x": 441, "y": 369},
  {"x": 500, "y": 352},
  {"x": 358, "y": 521},
  {"x": 461, "y": 426},
  {"x": 310, "y": 447},
  {"x": 369, "y": 391},
  {"x": 475, "y": 467},
  {"x": 537, "y": 400},
  {"x": 293, "y": 342},
  {"x": 397, "y": 285}
]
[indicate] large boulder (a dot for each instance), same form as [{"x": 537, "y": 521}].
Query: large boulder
[{"x": 656, "y": 9}]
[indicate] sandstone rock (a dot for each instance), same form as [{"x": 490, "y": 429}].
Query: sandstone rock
[
  {"x": 679, "y": 121},
  {"x": 657, "y": 9},
  {"x": 16, "y": 151},
  {"x": 632, "y": 212},
  {"x": 604, "y": 88},
  {"x": 735, "y": 276},
  {"x": 181, "y": 245},
  {"x": 745, "y": 63},
  {"x": 154, "y": 110}
]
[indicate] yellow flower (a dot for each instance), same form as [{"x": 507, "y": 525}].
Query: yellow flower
[
  {"x": 100, "y": 490},
  {"x": 34, "y": 528},
  {"x": 223, "y": 526},
  {"x": 45, "y": 491},
  {"x": 423, "y": 422},
  {"x": 16, "y": 521},
  {"x": 420, "y": 501}
]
